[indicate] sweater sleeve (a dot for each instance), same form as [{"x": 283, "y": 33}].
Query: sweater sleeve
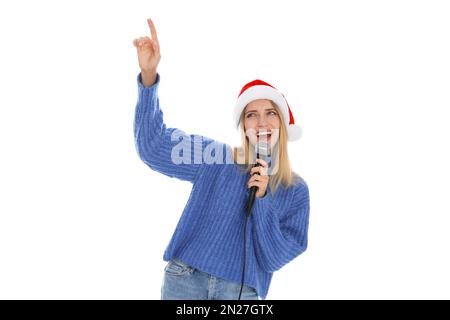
[
  {"x": 169, "y": 151},
  {"x": 280, "y": 237}
]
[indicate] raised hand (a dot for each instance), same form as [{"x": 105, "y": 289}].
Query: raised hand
[{"x": 148, "y": 55}]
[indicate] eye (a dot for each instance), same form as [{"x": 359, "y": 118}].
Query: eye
[
  {"x": 272, "y": 112},
  {"x": 249, "y": 115}
]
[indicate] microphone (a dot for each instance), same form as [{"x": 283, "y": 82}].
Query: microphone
[{"x": 262, "y": 150}]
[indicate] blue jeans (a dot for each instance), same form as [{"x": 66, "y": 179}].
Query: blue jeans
[{"x": 183, "y": 282}]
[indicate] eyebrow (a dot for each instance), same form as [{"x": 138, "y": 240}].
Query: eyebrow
[{"x": 268, "y": 109}]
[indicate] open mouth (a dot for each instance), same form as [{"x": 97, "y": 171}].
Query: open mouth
[{"x": 264, "y": 135}]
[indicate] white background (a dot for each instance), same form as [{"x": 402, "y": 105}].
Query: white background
[{"x": 82, "y": 217}]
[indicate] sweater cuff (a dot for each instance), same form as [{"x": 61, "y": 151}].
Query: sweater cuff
[
  {"x": 147, "y": 97},
  {"x": 262, "y": 206},
  {"x": 153, "y": 87}
]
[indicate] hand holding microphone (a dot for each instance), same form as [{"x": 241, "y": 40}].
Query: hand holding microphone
[{"x": 259, "y": 178}]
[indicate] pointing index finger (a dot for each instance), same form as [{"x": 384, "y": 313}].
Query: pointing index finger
[{"x": 152, "y": 29}]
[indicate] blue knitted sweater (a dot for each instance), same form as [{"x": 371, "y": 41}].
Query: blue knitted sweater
[{"x": 209, "y": 234}]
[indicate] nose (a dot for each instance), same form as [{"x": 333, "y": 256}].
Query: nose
[{"x": 262, "y": 120}]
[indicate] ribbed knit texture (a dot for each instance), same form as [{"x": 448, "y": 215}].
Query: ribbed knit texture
[{"x": 209, "y": 234}]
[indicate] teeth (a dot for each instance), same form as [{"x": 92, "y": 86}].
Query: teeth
[{"x": 263, "y": 133}]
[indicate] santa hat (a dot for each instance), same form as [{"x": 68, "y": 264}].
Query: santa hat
[{"x": 258, "y": 89}]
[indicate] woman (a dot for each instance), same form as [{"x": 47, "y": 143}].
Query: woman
[{"x": 206, "y": 257}]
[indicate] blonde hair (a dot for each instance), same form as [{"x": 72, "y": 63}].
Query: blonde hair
[{"x": 245, "y": 155}]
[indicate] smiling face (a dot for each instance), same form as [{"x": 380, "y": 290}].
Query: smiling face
[{"x": 262, "y": 121}]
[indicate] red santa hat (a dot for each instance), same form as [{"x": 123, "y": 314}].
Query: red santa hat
[{"x": 258, "y": 89}]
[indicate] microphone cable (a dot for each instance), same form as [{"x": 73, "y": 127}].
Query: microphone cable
[
  {"x": 248, "y": 208},
  {"x": 262, "y": 148}
]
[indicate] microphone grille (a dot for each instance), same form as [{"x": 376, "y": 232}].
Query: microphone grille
[{"x": 263, "y": 149}]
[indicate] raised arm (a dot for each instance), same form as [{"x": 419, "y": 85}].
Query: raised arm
[{"x": 169, "y": 151}]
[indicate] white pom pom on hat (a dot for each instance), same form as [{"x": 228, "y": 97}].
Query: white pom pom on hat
[{"x": 258, "y": 89}]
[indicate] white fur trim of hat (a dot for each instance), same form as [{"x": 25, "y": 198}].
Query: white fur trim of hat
[{"x": 258, "y": 89}]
